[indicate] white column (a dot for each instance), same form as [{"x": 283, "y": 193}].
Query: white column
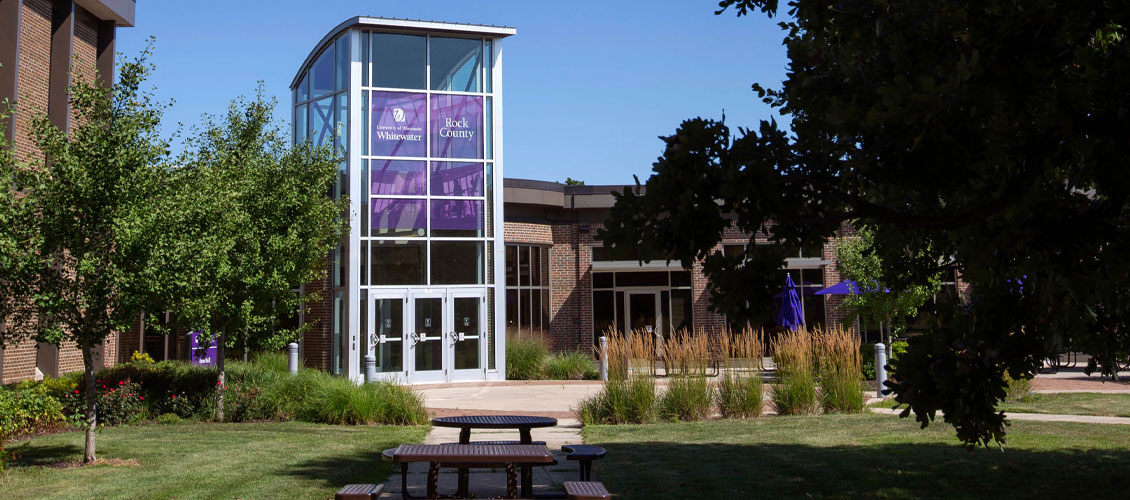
[
  {"x": 499, "y": 263},
  {"x": 353, "y": 282}
]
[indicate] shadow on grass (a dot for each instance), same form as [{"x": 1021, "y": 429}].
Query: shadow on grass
[
  {"x": 33, "y": 455},
  {"x": 337, "y": 471},
  {"x": 676, "y": 470}
]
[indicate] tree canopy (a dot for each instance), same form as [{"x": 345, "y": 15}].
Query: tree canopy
[{"x": 987, "y": 133}]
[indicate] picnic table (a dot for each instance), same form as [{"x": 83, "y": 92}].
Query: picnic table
[
  {"x": 521, "y": 422},
  {"x": 510, "y": 456}
]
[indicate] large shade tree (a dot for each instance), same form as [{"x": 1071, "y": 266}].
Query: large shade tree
[
  {"x": 246, "y": 221},
  {"x": 74, "y": 217},
  {"x": 991, "y": 133}
]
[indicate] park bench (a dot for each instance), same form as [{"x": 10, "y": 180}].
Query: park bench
[
  {"x": 360, "y": 492},
  {"x": 585, "y": 454},
  {"x": 586, "y": 490},
  {"x": 470, "y": 455}
]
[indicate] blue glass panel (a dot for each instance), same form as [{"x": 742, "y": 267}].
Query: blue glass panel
[
  {"x": 301, "y": 127},
  {"x": 488, "y": 54},
  {"x": 457, "y": 64},
  {"x": 457, "y": 179},
  {"x": 399, "y": 61},
  {"x": 302, "y": 92},
  {"x": 341, "y": 127},
  {"x": 322, "y": 121},
  {"x": 322, "y": 74},
  {"x": 343, "y": 62}
]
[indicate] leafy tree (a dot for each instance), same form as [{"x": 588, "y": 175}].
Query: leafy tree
[
  {"x": 17, "y": 242},
  {"x": 569, "y": 181},
  {"x": 248, "y": 221},
  {"x": 77, "y": 218},
  {"x": 986, "y": 132},
  {"x": 873, "y": 300}
]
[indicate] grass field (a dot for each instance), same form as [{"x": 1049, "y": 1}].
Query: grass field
[
  {"x": 194, "y": 460},
  {"x": 852, "y": 456},
  {"x": 1073, "y": 403}
]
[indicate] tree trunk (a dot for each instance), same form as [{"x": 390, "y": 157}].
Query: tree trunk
[
  {"x": 91, "y": 402},
  {"x": 220, "y": 382}
]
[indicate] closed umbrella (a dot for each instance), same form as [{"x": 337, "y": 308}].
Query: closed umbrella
[{"x": 791, "y": 315}]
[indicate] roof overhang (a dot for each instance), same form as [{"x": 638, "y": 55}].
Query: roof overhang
[
  {"x": 402, "y": 26},
  {"x": 119, "y": 11}
]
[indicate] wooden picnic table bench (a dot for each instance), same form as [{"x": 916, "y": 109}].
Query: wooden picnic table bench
[
  {"x": 478, "y": 455},
  {"x": 523, "y": 423}
]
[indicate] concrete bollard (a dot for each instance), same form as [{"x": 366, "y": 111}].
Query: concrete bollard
[
  {"x": 292, "y": 358},
  {"x": 603, "y": 358},
  {"x": 880, "y": 368},
  {"x": 370, "y": 368}
]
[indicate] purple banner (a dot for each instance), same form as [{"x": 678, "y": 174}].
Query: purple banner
[
  {"x": 457, "y": 179},
  {"x": 456, "y": 126},
  {"x": 199, "y": 354},
  {"x": 398, "y": 177},
  {"x": 398, "y": 124},
  {"x": 457, "y": 218},
  {"x": 398, "y": 217}
]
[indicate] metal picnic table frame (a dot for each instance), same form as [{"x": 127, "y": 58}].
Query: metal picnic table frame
[
  {"x": 510, "y": 456},
  {"x": 523, "y": 423}
]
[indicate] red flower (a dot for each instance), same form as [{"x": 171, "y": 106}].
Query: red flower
[
  {"x": 217, "y": 382},
  {"x": 141, "y": 398},
  {"x": 120, "y": 382},
  {"x": 103, "y": 386},
  {"x": 76, "y": 391},
  {"x": 225, "y": 387},
  {"x": 174, "y": 396}
]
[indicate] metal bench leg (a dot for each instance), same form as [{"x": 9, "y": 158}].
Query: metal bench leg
[
  {"x": 527, "y": 482},
  {"x": 433, "y": 480},
  {"x": 586, "y": 470},
  {"x": 464, "y": 483},
  {"x": 511, "y": 481},
  {"x": 404, "y": 483}
]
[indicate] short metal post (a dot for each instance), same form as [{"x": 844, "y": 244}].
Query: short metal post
[
  {"x": 880, "y": 368},
  {"x": 292, "y": 357},
  {"x": 370, "y": 368},
  {"x": 603, "y": 358}
]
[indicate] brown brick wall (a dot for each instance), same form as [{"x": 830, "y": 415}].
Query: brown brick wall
[
  {"x": 570, "y": 286},
  {"x": 317, "y": 342}
]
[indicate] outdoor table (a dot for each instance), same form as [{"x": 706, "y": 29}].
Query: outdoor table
[
  {"x": 521, "y": 422},
  {"x": 508, "y": 455}
]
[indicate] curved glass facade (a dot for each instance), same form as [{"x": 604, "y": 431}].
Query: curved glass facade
[{"x": 413, "y": 282}]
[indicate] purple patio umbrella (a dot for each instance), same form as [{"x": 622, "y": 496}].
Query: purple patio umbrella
[{"x": 791, "y": 315}]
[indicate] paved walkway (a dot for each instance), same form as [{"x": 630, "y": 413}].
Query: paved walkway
[{"x": 1074, "y": 380}]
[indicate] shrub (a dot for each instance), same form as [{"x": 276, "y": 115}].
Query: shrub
[
  {"x": 28, "y": 408},
  {"x": 1016, "y": 388},
  {"x": 795, "y": 392},
  {"x": 141, "y": 357},
  {"x": 631, "y": 401},
  {"x": 841, "y": 386},
  {"x": 168, "y": 418},
  {"x": 60, "y": 387},
  {"x": 240, "y": 402},
  {"x": 336, "y": 400},
  {"x": 898, "y": 348},
  {"x": 120, "y": 403},
  {"x": 867, "y": 361},
  {"x": 570, "y": 366},
  {"x": 525, "y": 356}
]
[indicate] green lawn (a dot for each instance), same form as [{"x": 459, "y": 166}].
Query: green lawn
[
  {"x": 193, "y": 460},
  {"x": 1073, "y": 403},
  {"x": 849, "y": 456}
]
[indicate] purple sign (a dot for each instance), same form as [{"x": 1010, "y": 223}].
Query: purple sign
[
  {"x": 398, "y": 124},
  {"x": 199, "y": 354},
  {"x": 456, "y": 126},
  {"x": 398, "y": 177},
  {"x": 457, "y": 179},
  {"x": 457, "y": 218}
]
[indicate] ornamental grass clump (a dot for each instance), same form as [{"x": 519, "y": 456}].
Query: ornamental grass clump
[
  {"x": 525, "y": 355},
  {"x": 689, "y": 395},
  {"x": 629, "y": 396},
  {"x": 740, "y": 391},
  {"x": 838, "y": 366},
  {"x": 795, "y": 392},
  {"x": 570, "y": 366}
]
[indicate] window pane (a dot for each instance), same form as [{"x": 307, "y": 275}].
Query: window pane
[
  {"x": 457, "y": 263},
  {"x": 364, "y": 198},
  {"x": 456, "y": 126},
  {"x": 682, "y": 310},
  {"x": 341, "y": 127},
  {"x": 364, "y": 258},
  {"x": 398, "y": 218},
  {"x": 524, "y": 265},
  {"x": 733, "y": 251},
  {"x": 457, "y": 179},
  {"x": 457, "y": 218},
  {"x": 601, "y": 254},
  {"x": 456, "y": 64},
  {"x": 647, "y": 278},
  {"x": 338, "y": 339},
  {"x": 397, "y": 263},
  {"x": 322, "y": 121},
  {"x": 398, "y": 177},
  {"x": 524, "y": 310},
  {"x": 343, "y": 62},
  {"x": 488, "y": 131},
  {"x": 511, "y": 309},
  {"x": 620, "y": 325},
  {"x": 535, "y": 266},
  {"x": 488, "y": 54},
  {"x": 303, "y": 91},
  {"x": 602, "y": 280},
  {"x": 389, "y": 317},
  {"x": 301, "y": 128},
  {"x": 399, "y": 61},
  {"x": 490, "y": 199},
  {"x": 511, "y": 265},
  {"x": 535, "y": 309},
  {"x": 680, "y": 278},
  {"x": 398, "y": 124},
  {"x": 365, "y": 58},
  {"x": 322, "y": 74}
]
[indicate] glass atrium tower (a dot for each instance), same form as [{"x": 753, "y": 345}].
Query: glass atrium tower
[{"x": 415, "y": 107}]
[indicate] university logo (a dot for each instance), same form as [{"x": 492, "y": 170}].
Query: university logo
[{"x": 398, "y": 115}]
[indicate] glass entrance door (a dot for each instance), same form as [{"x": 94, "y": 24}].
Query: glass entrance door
[
  {"x": 642, "y": 310},
  {"x": 427, "y": 338},
  {"x": 467, "y": 343},
  {"x": 385, "y": 338}
]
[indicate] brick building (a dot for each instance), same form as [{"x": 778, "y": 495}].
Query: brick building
[{"x": 39, "y": 40}]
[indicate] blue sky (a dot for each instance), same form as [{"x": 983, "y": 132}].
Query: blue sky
[{"x": 589, "y": 86}]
